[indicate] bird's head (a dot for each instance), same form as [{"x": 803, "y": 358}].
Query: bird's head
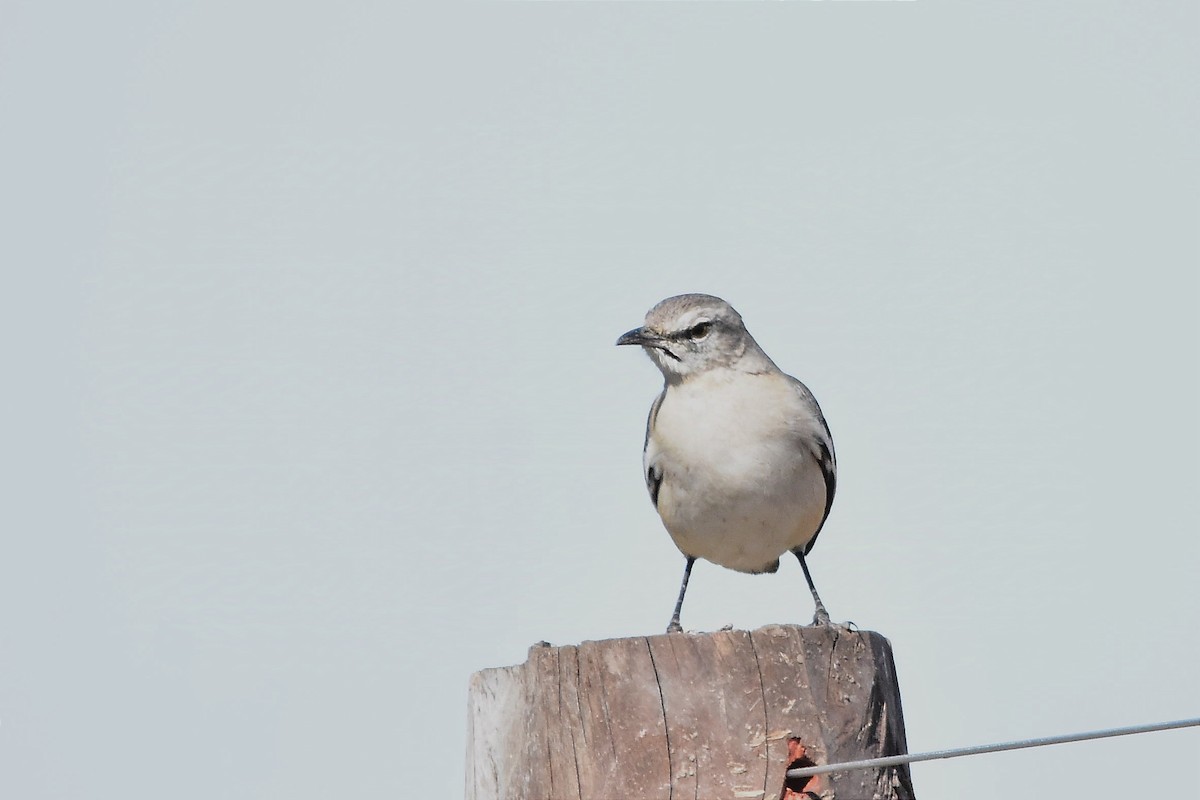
[{"x": 692, "y": 333}]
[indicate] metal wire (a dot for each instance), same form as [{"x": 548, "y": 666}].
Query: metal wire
[{"x": 890, "y": 761}]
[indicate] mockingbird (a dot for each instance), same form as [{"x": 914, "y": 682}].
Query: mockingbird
[{"x": 738, "y": 458}]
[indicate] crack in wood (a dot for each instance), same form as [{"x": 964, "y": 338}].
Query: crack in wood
[
  {"x": 762, "y": 691},
  {"x": 666, "y": 728}
]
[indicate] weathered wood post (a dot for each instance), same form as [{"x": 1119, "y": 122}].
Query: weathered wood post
[{"x": 709, "y": 716}]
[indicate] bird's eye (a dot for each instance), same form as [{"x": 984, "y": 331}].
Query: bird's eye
[{"x": 699, "y": 331}]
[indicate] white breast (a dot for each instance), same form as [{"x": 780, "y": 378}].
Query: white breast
[{"x": 740, "y": 483}]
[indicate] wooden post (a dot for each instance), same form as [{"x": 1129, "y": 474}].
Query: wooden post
[{"x": 710, "y": 716}]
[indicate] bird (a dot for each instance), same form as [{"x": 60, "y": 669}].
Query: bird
[{"x": 738, "y": 458}]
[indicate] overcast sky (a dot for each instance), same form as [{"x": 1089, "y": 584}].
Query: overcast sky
[{"x": 312, "y": 406}]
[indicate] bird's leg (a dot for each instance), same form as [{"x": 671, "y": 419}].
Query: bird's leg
[
  {"x": 821, "y": 617},
  {"x": 673, "y": 627}
]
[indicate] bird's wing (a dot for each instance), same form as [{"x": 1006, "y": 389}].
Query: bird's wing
[
  {"x": 653, "y": 472},
  {"x": 820, "y": 442}
]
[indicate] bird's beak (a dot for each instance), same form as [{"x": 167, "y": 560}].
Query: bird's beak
[
  {"x": 649, "y": 339},
  {"x": 639, "y": 336}
]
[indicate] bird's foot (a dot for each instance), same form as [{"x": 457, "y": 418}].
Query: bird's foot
[
  {"x": 674, "y": 627},
  {"x": 821, "y": 618}
]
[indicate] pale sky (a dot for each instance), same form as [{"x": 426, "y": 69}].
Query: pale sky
[{"x": 313, "y": 407}]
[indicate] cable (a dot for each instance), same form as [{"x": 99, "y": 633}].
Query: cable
[{"x": 889, "y": 761}]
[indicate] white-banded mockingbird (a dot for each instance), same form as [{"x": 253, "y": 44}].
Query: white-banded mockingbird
[{"x": 738, "y": 457}]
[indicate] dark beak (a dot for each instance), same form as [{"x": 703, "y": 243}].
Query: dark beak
[
  {"x": 638, "y": 336},
  {"x": 645, "y": 338}
]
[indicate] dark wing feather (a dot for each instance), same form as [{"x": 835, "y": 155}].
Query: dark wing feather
[
  {"x": 823, "y": 453},
  {"x": 829, "y": 470},
  {"x": 653, "y": 476}
]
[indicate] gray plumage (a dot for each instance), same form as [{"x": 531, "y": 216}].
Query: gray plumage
[{"x": 738, "y": 459}]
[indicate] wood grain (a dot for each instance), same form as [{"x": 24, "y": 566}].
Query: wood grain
[{"x": 696, "y": 716}]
